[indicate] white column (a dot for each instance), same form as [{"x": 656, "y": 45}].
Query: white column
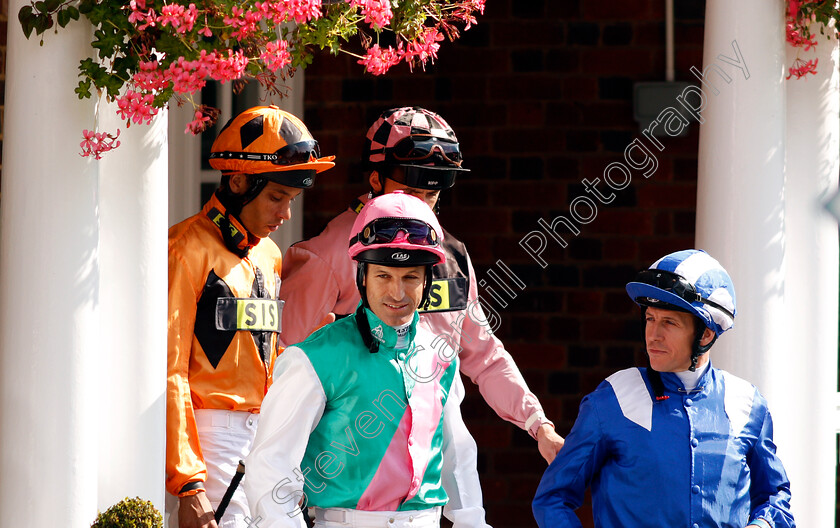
[
  {"x": 133, "y": 235},
  {"x": 740, "y": 206},
  {"x": 49, "y": 275},
  {"x": 765, "y": 231},
  {"x": 811, "y": 286}
]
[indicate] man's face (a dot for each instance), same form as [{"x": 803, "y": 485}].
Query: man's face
[
  {"x": 267, "y": 212},
  {"x": 394, "y": 293},
  {"x": 668, "y": 337},
  {"x": 427, "y": 195}
]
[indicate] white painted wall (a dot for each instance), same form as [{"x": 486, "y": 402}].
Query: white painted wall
[
  {"x": 49, "y": 276},
  {"x": 811, "y": 284},
  {"x": 768, "y": 152},
  {"x": 133, "y": 311},
  {"x": 82, "y": 315}
]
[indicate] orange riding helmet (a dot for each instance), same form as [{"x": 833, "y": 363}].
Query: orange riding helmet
[{"x": 272, "y": 144}]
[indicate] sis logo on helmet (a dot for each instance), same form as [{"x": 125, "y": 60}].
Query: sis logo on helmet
[{"x": 692, "y": 281}]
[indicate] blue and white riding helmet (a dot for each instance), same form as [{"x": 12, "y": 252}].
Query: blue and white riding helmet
[{"x": 691, "y": 281}]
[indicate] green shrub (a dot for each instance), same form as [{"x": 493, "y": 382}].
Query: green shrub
[{"x": 130, "y": 513}]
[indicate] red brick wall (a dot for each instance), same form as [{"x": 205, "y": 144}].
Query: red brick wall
[{"x": 540, "y": 95}]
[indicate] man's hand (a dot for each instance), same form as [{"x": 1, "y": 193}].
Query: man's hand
[
  {"x": 548, "y": 442},
  {"x": 195, "y": 511}
]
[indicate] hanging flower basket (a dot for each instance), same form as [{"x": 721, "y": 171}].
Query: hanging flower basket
[
  {"x": 800, "y": 15},
  {"x": 148, "y": 52}
]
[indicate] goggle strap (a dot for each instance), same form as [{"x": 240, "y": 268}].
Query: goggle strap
[
  {"x": 253, "y": 156},
  {"x": 248, "y": 156},
  {"x": 309, "y": 148},
  {"x": 677, "y": 279},
  {"x": 719, "y": 307}
]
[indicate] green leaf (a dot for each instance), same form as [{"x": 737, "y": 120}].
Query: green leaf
[
  {"x": 52, "y": 5},
  {"x": 41, "y": 6},
  {"x": 73, "y": 12},
  {"x": 86, "y": 6},
  {"x": 112, "y": 83},
  {"x": 125, "y": 66},
  {"x": 63, "y": 18},
  {"x": 25, "y": 13},
  {"x": 43, "y": 22},
  {"x": 107, "y": 13},
  {"x": 27, "y": 20},
  {"x": 108, "y": 42},
  {"x": 83, "y": 89}
]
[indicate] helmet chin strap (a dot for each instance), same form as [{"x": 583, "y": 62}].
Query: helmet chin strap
[
  {"x": 697, "y": 349},
  {"x": 426, "y": 299},
  {"x": 233, "y": 207},
  {"x": 235, "y": 202},
  {"x": 361, "y": 318},
  {"x": 361, "y": 271}
]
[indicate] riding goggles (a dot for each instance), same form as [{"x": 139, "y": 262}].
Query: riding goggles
[
  {"x": 424, "y": 147},
  {"x": 678, "y": 285},
  {"x": 294, "y": 154},
  {"x": 384, "y": 230}
]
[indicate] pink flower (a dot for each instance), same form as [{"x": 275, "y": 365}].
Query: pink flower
[
  {"x": 149, "y": 78},
  {"x": 138, "y": 17},
  {"x": 206, "y": 31},
  {"x": 246, "y": 22},
  {"x": 205, "y": 117},
  {"x": 231, "y": 68},
  {"x": 378, "y": 61},
  {"x": 377, "y": 13},
  {"x": 795, "y": 38},
  {"x": 424, "y": 47},
  {"x": 197, "y": 125},
  {"x": 189, "y": 76},
  {"x": 793, "y": 8},
  {"x": 802, "y": 68},
  {"x": 465, "y": 10},
  {"x": 95, "y": 144},
  {"x": 304, "y": 10},
  {"x": 276, "y": 55},
  {"x": 136, "y": 107},
  {"x": 181, "y": 18}
]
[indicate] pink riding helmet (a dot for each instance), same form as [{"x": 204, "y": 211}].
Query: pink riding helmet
[{"x": 399, "y": 230}]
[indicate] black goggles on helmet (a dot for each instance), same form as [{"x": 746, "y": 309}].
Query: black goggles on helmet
[
  {"x": 294, "y": 154},
  {"x": 678, "y": 285},
  {"x": 427, "y": 149},
  {"x": 384, "y": 230}
]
